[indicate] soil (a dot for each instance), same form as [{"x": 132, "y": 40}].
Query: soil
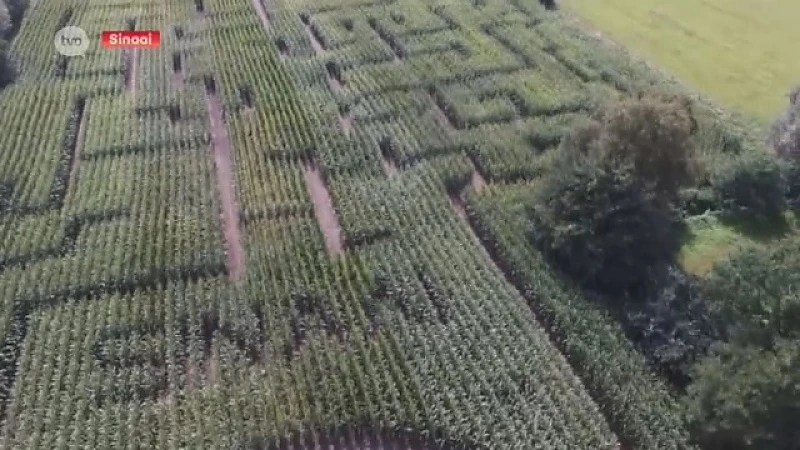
[
  {"x": 131, "y": 63},
  {"x": 441, "y": 117},
  {"x": 334, "y": 84},
  {"x": 346, "y": 121},
  {"x": 389, "y": 167},
  {"x": 211, "y": 365},
  {"x": 262, "y": 13},
  {"x": 323, "y": 209},
  {"x": 315, "y": 44},
  {"x": 177, "y": 79},
  {"x": 477, "y": 181},
  {"x": 230, "y": 214}
]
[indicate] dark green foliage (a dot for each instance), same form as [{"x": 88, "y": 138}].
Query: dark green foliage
[
  {"x": 792, "y": 179},
  {"x": 698, "y": 200},
  {"x": 550, "y": 5},
  {"x": 673, "y": 327},
  {"x": 7, "y": 71},
  {"x": 751, "y": 186},
  {"x": 757, "y": 293},
  {"x": 748, "y": 398},
  {"x": 653, "y": 134},
  {"x": 599, "y": 223}
]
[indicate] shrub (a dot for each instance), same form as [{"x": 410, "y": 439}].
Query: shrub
[
  {"x": 785, "y": 134},
  {"x": 792, "y": 179},
  {"x": 746, "y": 398},
  {"x": 756, "y": 292},
  {"x": 673, "y": 327},
  {"x": 751, "y": 186},
  {"x": 7, "y": 71},
  {"x": 599, "y": 223}
]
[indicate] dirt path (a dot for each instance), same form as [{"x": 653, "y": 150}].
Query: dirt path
[
  {"x": 262, "y": 13},
  {"x": 346, "y": 121},
  {"x": 131, "y": 66},
  {"x": 230, "y": 214},
  {"x": 323, "y": 209},
  {"x": 441, "y": 117},
  {"x": 477, "y": 181},
  {"x": 177, "y": 79},
  {"x": 389, "y": 167},
  {"x": 315, "y": 44}
]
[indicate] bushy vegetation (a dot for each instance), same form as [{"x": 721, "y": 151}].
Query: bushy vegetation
[
  {"x": 606, "y": 210},
  {"x": 745, "y": 395},
  {"x": 751, "y": 186},
  {"x": 11, "y": 12}
]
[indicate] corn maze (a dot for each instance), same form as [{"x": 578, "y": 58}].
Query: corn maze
[{"x": 294, "y": 225}]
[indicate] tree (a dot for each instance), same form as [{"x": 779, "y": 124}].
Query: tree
[
  {"x": 598, "y": 222},
  {"x": 747, "y": 398},
  {"x": 655, "y": 134},
  {"x": 757, "y": 293}
]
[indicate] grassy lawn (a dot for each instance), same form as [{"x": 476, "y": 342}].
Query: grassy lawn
[
  {"x": 744, "y": 53},
  {"x": 711, "y": 240}
]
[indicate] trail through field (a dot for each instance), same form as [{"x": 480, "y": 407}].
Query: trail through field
[
  {"x": 315, "y": 44},
  {"x": 262, "y": 13},
  {"x": 227, "y": 194},
  {"x": 441, "y": 117},
  {"x": 80, "y": 140},
  {"x": 389, "y": 166},
  {"x": 131, "y": 63},
  {"x": 477, "y": 181},
  {"x": 346, "y": 121},
  {"x": 323, "y": 209}
]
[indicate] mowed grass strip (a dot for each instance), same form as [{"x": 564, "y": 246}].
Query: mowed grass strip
[{"x": 743, "y": 53}]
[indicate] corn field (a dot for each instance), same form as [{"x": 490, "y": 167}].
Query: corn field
[{"x": 406, "y": 132}]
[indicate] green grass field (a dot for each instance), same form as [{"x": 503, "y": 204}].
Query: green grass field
[{"x": 742, "y": 53}]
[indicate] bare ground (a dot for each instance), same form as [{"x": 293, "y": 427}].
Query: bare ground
[
  {"x": 334, "y": 84},
  {"x": 131, "y": 66},
  {"x": 389, "y": 166},
  {"x": 315, "y": 44},
  {"x": 262, "y": 13},
  {"x": 211, "y": 366},
  {"x": 76, "y": 157},
  {"x": 177, "y": 79},
  {"x": 441, "y": 117},
  {"x": 477, "y": 181},
  {"x": 346, "y": 121},
  {"x": 227, "y": 194},
  {"x": 323, "y": 209}
]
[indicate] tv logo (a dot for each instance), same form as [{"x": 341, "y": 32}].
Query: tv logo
[{"x": 71, "y": 41}]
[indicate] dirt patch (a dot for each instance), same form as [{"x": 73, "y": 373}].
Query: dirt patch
[
  {"x": 177, "y": 80},
  {"x": 441, "y": 117},
  {"x": 261, "y": 10},
  {"x": 211, "y": 367},
  {"x": 131, "y": 65},
  {"x": 319, "y": 49},
  {"x": 346, "y": 121},
  {"x": 323, "y": 209},
  {"x": 477, "y": 181},
  {"x": 227, "y": 194}
]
